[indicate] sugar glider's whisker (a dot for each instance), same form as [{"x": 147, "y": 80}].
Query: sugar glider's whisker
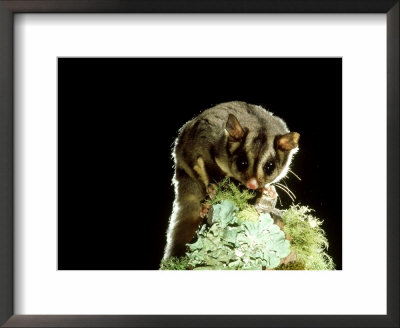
[
  {"x": 294, "y": 174},
  {"x": 280, "y": 187},
  {"x": 286, "y": 189},
  {"x": 291, "y": 192},
  {"x": 289, "y": 189}
]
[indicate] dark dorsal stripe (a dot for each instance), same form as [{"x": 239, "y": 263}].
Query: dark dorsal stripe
[{"x": 258, "y": 146}]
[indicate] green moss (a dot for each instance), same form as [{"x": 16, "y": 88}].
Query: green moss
[
  {"x": 248, "y": 214},
  {"x": 224, "y": 244},
  {"x": 175, "y": 263},
  {"x": 227, "y": 190},
  {"x": 308, "y": 239}
]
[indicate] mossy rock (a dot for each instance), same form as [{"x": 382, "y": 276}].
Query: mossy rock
[{"x": 227, "y": 240}]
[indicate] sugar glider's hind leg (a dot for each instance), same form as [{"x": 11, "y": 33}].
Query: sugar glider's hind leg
[{"x": 185, "y": 218}]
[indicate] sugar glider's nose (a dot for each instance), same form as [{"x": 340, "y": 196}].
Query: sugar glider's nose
[{"x": 252, "y": 184}]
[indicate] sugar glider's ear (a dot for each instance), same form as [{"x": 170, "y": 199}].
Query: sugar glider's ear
[
  {"x": 235, "y": 130},
  {"x": 287, "y": 141}
]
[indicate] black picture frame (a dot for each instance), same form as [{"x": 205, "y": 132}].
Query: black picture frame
[{"x": 10, "y": 7}]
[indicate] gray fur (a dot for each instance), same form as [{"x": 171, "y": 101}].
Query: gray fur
[{"x": 205, "y": 151}]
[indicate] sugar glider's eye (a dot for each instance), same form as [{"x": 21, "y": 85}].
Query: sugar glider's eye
[
  {"x": 269, "y": 167},
  {"x": 242, "y": 163}
]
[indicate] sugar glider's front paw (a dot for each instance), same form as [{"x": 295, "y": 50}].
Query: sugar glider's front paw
[
  {"x": 266, "y": 203},
  {"x": 204, "y": 209},
  {"x": 211, "y": 190},
  {"x": 270, "y": 192}
]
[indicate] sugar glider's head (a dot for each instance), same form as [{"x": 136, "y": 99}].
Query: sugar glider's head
[{"x": 259, "y": 156}]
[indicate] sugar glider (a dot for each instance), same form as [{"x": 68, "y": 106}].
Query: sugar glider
[{"x": 234, "y": 139}]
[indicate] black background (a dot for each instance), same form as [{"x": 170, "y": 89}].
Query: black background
[{"x": 118, "y": 118}]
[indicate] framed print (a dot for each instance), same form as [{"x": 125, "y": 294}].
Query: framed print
[{"x": 115, "y": 129}]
